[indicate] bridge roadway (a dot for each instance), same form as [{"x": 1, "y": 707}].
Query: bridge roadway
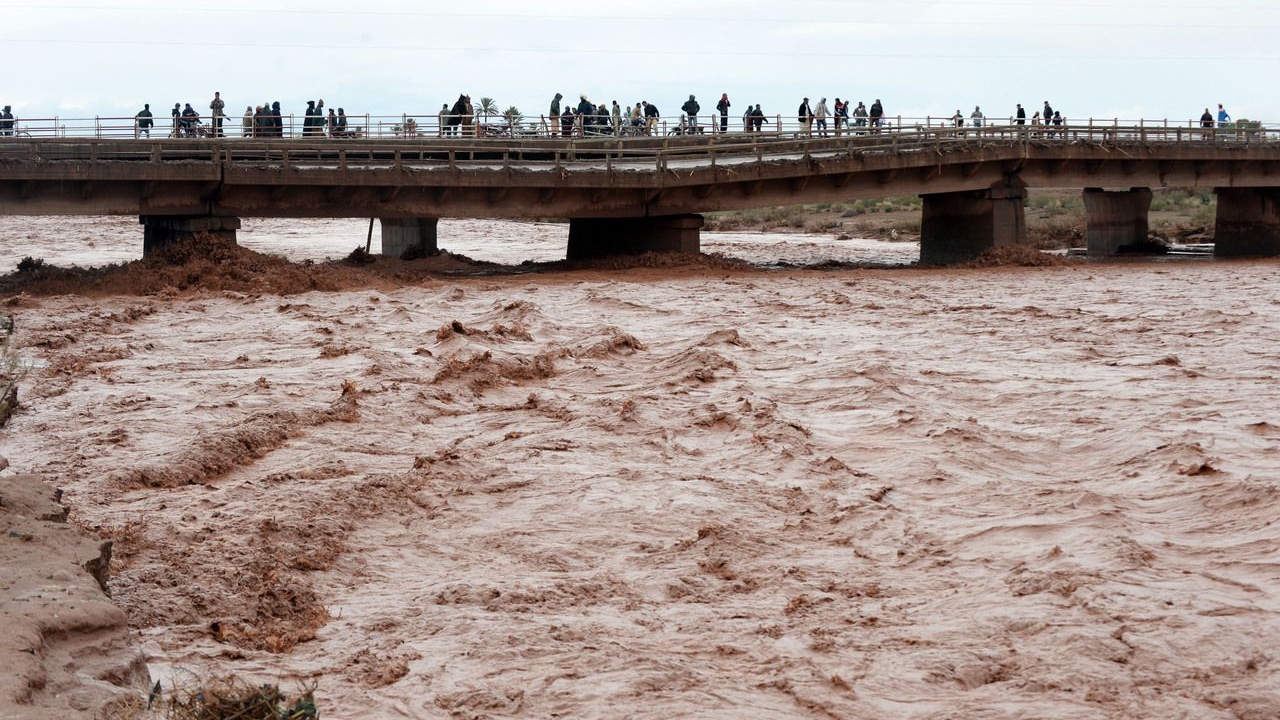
[{"x": 636, "y": 194}]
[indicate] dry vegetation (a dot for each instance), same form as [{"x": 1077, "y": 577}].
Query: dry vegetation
[{"x": 221, "y": 699}]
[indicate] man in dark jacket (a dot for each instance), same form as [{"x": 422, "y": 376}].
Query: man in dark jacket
[
  {"x": 691, "y": 108},
  {"x": 143, "y": 121},
  {"x": 805, "y": 116},
  {"x": 877, "y": 114},
  {"x": 723, "y": 108},
  {"x": 650, "y": 117}
]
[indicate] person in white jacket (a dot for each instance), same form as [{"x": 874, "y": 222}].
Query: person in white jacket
[{"x": 820, "y": 114}]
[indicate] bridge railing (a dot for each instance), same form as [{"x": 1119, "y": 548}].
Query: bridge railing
[
  {"x": 604, "y": 153},
  {"x": 440, "y": 127}
]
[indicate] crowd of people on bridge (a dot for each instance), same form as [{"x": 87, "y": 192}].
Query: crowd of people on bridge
[{"x": 583, "y": 119}]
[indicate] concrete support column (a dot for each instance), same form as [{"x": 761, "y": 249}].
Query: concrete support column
[
  {"x": 602, "y": 237},
  {"x": 1115, "y": 219},
  {"x": 958, "y": 227},
  {"x": 1248, "y": 222},
  {"x": 402, "y": 235},
  {"x": 160, "y": 231}
]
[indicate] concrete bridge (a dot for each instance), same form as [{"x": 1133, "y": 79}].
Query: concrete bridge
[{"x": 628, "y": 195}]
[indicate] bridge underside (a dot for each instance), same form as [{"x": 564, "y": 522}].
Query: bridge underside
[{"x": 965, "y": 211}]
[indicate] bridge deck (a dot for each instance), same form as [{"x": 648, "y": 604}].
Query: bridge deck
[{"x": 629, "y": 177}]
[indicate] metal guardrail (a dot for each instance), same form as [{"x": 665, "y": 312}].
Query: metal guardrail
[
  {"x": 542, "y": 150},
  {"x": 427, "y": 127},
  {"x": 610, "y": 153}
]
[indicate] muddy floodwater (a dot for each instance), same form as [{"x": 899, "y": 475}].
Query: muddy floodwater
[{"x": 694, "y": 491}]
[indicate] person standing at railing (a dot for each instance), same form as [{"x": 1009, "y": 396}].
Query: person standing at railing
[
  {"x": 553, "y": 115},
  {"x": 142, "y": 122},
  {"x": 757, "y": 118},
  {"x": 190, "y": 121},
  {"x": 692, "y": 108},
  {"x": 246, "y": 124},
  {"x": 820, "y": 114},
  {"x": 308, "y": 118},
  {"x": 805, "y": 116},
  {"x": 615, "y": 115},
  {"x": 7, "y": 121},
  {"x": 1047, "y": 114},
  {"x": 860, "y": 116},
  {"x": 216, "y": 107},
  {"x": 1021, "y": 117},
  {"x": 723, "y": 108},
  {"x": 957, "y": 119},
  {"x": 468, "y": 117},
  {"x": 877, "y": 115},
  {"x": 331, "y": 123},
  {"x": 1223, "y": 117},
  {"x": 276, "y": 120},
  {"x": 977, "y": 117},
  {"x": 567, "y": 121},
  {"x": 177, "y": 120},
  {"x": 650, "y": 117},
  {"x": 1206, "y": 123},
  {"x": 841, "y": 115}
]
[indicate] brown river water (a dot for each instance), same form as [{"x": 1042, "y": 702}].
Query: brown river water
[{"x": 703, "y": 490}]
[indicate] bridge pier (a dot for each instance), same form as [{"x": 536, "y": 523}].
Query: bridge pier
[
  {"x": 400, "y": 235},
  {"x": 1248, "y": 222},
  {"x": 603, "y": 237},
  {"x": 161, "y": 231},
  {"x": 958, "y": 227},
  {"x": 1115, "y": 219}
]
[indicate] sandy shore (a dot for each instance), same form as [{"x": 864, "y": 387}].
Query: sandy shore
[{"x": 687, "y": 491}]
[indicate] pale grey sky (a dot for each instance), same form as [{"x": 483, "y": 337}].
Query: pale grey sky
[{"x": 1127, "y": 58}]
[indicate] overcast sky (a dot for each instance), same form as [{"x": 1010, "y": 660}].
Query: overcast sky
[{"x": 1127, "y": 58}]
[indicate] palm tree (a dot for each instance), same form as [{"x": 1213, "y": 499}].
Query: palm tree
[
  {"x": 487, "y": 107},
  {"x": 512, "y": 115}
]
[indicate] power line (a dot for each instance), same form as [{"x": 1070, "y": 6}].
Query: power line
[
  {"x": 719, "y": 52},
  {"x": 986, "y": 22}
]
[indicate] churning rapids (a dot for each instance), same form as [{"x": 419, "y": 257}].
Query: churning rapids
[{"x": 703, "y": 490}]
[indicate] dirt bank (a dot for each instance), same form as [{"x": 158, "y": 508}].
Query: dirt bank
[{"x": 65, "y": 647}]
